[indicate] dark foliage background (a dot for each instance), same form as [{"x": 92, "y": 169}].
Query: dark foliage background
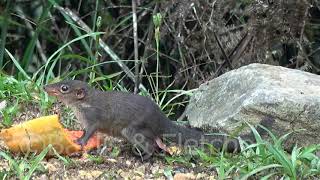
[{"x": 199, "y": 39}]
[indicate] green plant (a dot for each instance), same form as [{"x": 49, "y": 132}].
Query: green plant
[
  {"x": 168, "y": 172},
  {"x": 96, "y": 159},
  {"x": 18, "y": 93},
  {"x": 115, "y": 151},
  {"x": 8, "y": 113},
  {"x": 157, "y": 20},
  {"x": 263, "y": 159},
  {"x": 24, "y": 168}
]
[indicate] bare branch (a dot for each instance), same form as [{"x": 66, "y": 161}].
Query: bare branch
[
  {"x": 135, "y": 41},
  {"x": 222, "y": 50}
]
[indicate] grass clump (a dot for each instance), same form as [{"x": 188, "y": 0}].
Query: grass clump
[
  {"x": 263, "y": 159},
  {"x": 23, "y": 168},
  {"x": 15, "y": 95}
]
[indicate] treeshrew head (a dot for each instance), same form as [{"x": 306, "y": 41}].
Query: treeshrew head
[{"x": 68, "y": 91}]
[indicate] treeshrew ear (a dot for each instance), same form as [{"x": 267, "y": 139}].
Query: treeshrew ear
[{"x": 80, "y": 93}]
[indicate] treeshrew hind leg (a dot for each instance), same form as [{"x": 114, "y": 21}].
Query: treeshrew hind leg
[{"x": 142, "y": 139}]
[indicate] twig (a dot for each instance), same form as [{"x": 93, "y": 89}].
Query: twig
[
  {"x": 135, "y": 42},
  {"x": 236, "y": 52},
  {"x": 148, "y": 44},
  {"x": 222, "y": 50},
  {"x": 130, "y": 29},
  {"x": 302, "y": 31},
  {"x": 61, "y": 35},
  {"x": 308, "y": 55},
  {"x": 307, "y": 58},
  {"x": 104, "y": 46},
  {"x": 182, "y": 116},
  {"x": 239, "y": 49}
]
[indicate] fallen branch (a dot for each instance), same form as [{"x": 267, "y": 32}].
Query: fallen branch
[{"x": 135, "y": 41}]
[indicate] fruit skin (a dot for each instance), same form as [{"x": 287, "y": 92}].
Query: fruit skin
[{"x": 36, "y": 134}]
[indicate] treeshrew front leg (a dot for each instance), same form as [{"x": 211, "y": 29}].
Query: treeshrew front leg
[{"x": 87, "y": 133}]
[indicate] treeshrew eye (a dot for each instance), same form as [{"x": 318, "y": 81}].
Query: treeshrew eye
[{"x": 64, "y": 88}]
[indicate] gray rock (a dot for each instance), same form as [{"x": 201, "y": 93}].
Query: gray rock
[{"x": 252, "y": 92}]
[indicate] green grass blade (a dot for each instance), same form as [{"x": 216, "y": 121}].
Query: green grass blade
[
  {"x": 75, "y": 56},
  {"x": 294, "y": 157},
  {"x": 268, "y": 176},
  {"x": 17, "y": 64},
  {"x": 75, "y": 29},
  {"x": 255, "y": 133},
  {"x": 308, "y": 152},
  {"x": 60, "y": 49},
  {"x": 65, "y": 160},
  {"x": 72, "y": 41},
  {"x": 181, "y": 93},
  {"x": 28, "y": 54},
  {"x": 281, "y": 157},
  {"x": 38, "y": 159},
  {"x": 273, "y": 137},
  {"x": 78, "y": 33},
  {"x": 8, "y": 158},
  {"x": 259, "y": 170}
]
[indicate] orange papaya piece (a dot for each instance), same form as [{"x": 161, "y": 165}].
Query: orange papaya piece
[{"x": 35, "y": 135}]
